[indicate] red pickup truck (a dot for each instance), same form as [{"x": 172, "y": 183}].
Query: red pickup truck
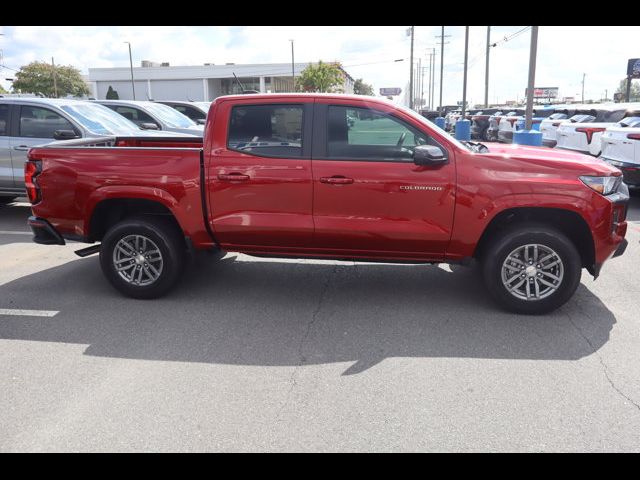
[{"x": 331, "y": 176}]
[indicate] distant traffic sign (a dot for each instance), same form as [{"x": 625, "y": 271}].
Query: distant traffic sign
[
  {"x": 387, "y": 92},
  {"x": 633, "y": 68}
]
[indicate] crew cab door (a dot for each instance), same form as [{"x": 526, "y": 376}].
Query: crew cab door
[
  {"x": 35, "y": 125},
  {"x": 259, "y": 175},
  {"x": 370, "y": 198}
]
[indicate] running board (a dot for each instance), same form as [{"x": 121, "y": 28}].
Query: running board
[{"x": 85, "y": 252}]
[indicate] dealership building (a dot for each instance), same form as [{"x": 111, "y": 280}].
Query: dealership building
[{"x": 160, "y": 81}]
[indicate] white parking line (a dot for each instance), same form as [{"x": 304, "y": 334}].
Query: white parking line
[
  {"x": 29, "y": 313},
  {"x": 11, "y": 232}
]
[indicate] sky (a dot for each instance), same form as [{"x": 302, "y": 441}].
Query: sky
[{"x": 367, "y": 52}]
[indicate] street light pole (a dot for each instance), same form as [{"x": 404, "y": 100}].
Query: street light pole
[
  {"x": 532, "y": 76},
  {"x": 486, "y": 71},
  {"x": 293, "y": 72},
  {"x": 464, "y": 82},
  {"x": 133, "y": 86},
  {"x": 411, "y": 74}
]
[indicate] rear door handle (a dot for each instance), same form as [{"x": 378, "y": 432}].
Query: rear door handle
[
  {"x": 336, "y": 180},
  {"x": 233, "y": 177},
  {"x": 22, "y": 148}
]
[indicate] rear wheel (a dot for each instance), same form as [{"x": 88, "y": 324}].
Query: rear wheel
[
  {"x": 485, "y": 134},
  {"x": 143, "y": 257},
  {"x": 532, "y": 269}
]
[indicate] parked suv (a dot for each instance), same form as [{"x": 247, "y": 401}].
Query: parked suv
[
  {"x": 25, "y": 122},
  {"x": 585, "y": 136},
  {"x": 154, "y": 116},
  {"x": 196, "y": 111},
  {"x": 621, "y": 148},
  {"x": 480, "y": 123},
  {"x": 510, "y": 124}
]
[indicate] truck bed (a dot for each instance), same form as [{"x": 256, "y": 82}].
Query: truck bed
[{"x": 81, "y": 174}]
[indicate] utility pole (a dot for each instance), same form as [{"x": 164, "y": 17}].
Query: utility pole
[
  {"x": 55, "y": 82},
  {"x": 133, "y": 86},
  {"x": 433, "y": 78},
  {"x": 464, "y": 82},
  {"x": 419, "y": 83},
  {"x": 486, "y": 71},
  {"x": 293, "y": 72},
  {"x": 583, "y": 75},
  {"x": 442, "y": 37},
  {"x": 628, "y": 95},
  {"x": 411, "y": 73},
  {"x": 429, "y": 81},
  {"x": 532, "y": 76}
]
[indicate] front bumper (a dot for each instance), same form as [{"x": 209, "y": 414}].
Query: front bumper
[{"x": 44, "y": 233}]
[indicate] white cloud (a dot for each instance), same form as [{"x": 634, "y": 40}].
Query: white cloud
[{"x": 564, "y": 53}]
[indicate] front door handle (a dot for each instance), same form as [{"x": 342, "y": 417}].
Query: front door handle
[
  {"x": 336, "y": 180},
  {"x": 22, "y": 148},
  {"x": 233, "y": 177}
]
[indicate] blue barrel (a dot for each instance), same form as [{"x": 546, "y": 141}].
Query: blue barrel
[
  {"x": 520, "y": 124},
  {"x": 536, "y": 126},
  {"x": 527, "y": 137},
  {"x": 463, "y": 130},
  {"x": 440, "y": 122}
]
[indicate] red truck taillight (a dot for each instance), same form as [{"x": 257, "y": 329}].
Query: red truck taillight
[
  {"x": 589, "y": 131},
  {"x": 32, "y": 169},
  {"x": 634, "y": 136}
]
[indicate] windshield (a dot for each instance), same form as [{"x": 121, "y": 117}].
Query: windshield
[
  {"x": 100, "y": 120},
  {"x": 424, "y": 121},
  {"x": 170, "y": 116},
  {"x": 204, "y": 106},
  {"x": 630, "y": 122}
]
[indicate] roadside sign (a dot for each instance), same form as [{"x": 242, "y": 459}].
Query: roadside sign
[
  {"x": 633, "y": 68},
  {"x": 544, "y": 92},
  {"x": 387, "y": 92}
]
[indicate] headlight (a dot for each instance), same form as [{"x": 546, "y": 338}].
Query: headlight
[{"x": 602, "y": 185}]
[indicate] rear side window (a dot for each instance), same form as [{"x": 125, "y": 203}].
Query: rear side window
[
  {"x": 4, "y": 120},
  {"x": 193, "y": 113},
  {"x": 626, "y": 122},
  {"x": 558, "y": 116},
  {"x": 267, "y": 130},
  {"x": 36, "y": 122},
  {"x": 582, "y": 118}
]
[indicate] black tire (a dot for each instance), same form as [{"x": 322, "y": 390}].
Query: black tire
[
  {"x": 168, "y": 239},
  {"x": 504, "y": 243},
  {"x": 6, "y": 200}
]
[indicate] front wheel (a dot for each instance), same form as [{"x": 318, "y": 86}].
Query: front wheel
[
  {"x": 532, "y": 269},
  {"x": 143, "y": 257}
]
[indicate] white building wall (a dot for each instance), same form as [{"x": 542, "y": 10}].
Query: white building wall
[{"x": 178, "y": 90}]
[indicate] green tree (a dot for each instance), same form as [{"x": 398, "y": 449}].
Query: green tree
[
  {"x": 361, "y": 88},
  {"x": 323, "y": 77},
  {"x": 37, "y": 77},
  {"x": 634, "y": 94},
  {"x": 2, "y": 90},
  {"x": 112, "y": 94}
]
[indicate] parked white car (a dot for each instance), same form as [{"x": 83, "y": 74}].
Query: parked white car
[
  {"x": 621, "y": 148},
  {"x": 585, "y": 136}
]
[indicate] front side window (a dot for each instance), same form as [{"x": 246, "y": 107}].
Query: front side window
[
  {"x": 370, "y": 135},
  {"x": 133, "y": 114},
  {"x": 4, "y": 120},
  {"x": 270, "y": 130},
  {"x": 37, "y": 122}
]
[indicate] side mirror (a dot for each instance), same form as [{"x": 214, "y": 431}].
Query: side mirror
[
  {"x": 64, "y": 135},
  {"x": 201, "y": 121},
  {"x": 149, "y": 126},
  {"x": 429, "y": 156}
]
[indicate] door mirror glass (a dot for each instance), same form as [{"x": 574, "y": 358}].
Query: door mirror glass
[
  {"x": 64, "y": 135},
  {"x": 149, "y": 126},
  {"x": 429, "y": 155}
]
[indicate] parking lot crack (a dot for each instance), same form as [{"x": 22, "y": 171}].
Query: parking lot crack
[
  {"x": 605, "y": 368},
  {"x": 312, "y": 321}
]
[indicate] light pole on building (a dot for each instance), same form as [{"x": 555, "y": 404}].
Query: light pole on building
[
  {"x": 293, "y": 72},
  {"x": 133, "y": 87}
]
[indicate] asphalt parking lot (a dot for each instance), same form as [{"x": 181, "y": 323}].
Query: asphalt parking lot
[{"x": 251, "y": 354}]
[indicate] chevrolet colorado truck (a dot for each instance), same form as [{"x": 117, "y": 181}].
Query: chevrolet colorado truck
[{"x": 336, "y": 177}]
